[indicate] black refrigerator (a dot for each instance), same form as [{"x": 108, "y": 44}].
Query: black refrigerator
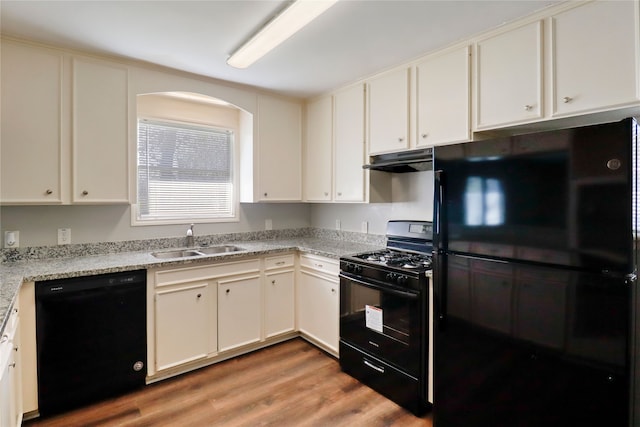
[{"x": 535, "y": 279}]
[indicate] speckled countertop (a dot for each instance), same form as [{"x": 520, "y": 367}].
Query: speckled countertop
[{"x": 14, "y": 273}]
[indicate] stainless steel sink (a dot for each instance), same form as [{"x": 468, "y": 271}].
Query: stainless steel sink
[
  {"x": 176, "y": 254},
  {"x": 219, "y": 249},
  {"x": 183, "y": 253}
]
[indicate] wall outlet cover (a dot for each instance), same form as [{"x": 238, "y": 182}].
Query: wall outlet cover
[
  {"x": 64, "y": 236},
  {"x": 268, "y": 224},
  {"x": 337, "y": 224},
  {"x": 11, "y": 239}
]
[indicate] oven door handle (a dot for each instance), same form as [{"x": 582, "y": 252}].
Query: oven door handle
[{"x": 376, "y": 286}]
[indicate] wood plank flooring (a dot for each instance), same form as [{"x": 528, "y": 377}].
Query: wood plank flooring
[{"x": 289, "y": 384}]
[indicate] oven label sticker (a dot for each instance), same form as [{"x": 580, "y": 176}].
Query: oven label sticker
[{"x": 373, "y": 317}]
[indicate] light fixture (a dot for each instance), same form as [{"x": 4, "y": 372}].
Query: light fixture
[{"x": 280, "y": 28}]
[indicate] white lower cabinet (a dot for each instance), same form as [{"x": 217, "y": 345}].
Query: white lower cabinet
[
  {"x": 182, "y": 329},
  {"x": 279, "y": 295},
  {"x": 239, "y": 312},
  {"x": 10, "y": 376},
  {"x": 319, "y": 301}
]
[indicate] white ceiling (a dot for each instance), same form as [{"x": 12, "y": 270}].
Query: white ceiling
[{"x": 352, "y": 40}]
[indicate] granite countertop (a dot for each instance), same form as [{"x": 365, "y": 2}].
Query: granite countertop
[{"x": 13, "y": 274}]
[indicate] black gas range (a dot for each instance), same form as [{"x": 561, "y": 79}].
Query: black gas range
[{"x": 384, "y": 315}]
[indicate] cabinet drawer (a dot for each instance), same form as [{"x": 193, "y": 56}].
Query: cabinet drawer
[
  {"x": 278, "y": 261},
  {"x": 190, "y": 274},
  {"x": 318, "y": 263}
]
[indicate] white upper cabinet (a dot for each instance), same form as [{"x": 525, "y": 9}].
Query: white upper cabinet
[
  {"x": 595, "y": 50},
  {"x": 509, "y": 73},
  {"x": 100, "y": 128},
  {"x": 64, "y": 128},
  {"x": 32, "y": 134},
  {"x": 349, "y": 117},
  {"x": 443, "y": 98},
  {"x": 318, "y": 150},
  {"x": 388, "y": 96},
  {"x": 277, "y": 157}
]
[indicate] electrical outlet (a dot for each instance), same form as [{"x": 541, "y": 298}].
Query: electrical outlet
[
  {"x": 337, "y": 224},
  {"x": 64, "y": 236},
  {"x": 12, "y": 239},
  {"x": 364, "y": 227},
  {"x": 268, "y": 224}
]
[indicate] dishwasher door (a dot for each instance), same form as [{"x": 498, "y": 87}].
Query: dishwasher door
[{"x": 91, "y": 338}]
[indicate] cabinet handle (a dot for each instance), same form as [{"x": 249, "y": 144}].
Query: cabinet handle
[
  {"x": 85, "y": 193},
  {"x": 13, "y": 365},
  {"x": 528, "y": 107},
  {"x": 48, "y": 192},
  {"x": 567, "y": 99},
  {"x": 374, "y": 367},
  {"x": 280, "y": 263},
  {"x": 319, "y": 265}
]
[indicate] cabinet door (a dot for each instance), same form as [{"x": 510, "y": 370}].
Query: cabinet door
[
  {"x": 349, "y": 144},
  {"x": 100, "y": 132},
  {"x": 279, "y": 150},
  {"x": 239, "y": 312},
  {"x": 279, "y": 303},
  {"x": 318, "y": 154},
  {"x": 318, "y": 308},
  {"x": 389, "y": 112},
  {"x": 509, "y": 73},
  {"x": 181, "y": 325},
  {"x": 443, "y": 92},
  {"x": 595, "y": 57},
  {"x": 31, "y": 133}
]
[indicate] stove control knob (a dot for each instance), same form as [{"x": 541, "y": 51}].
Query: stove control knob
[
  {"x": 390, "y": 277},
  {"x": 401, "y": 280},
  {"x": 357, "y": 269}
]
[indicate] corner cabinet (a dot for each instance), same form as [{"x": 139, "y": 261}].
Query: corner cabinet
[
  {"x": 318, "y": 153},
  {"x": 275, "y": 172},
  {"x": 64, "y": 128},
  {"x": 595, "y": 49},
  {"x": 319, "y": 301},
  {"x": 509, "y": 72}
]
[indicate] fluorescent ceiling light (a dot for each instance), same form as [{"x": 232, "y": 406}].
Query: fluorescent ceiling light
[{"x": 283, "y": 26}]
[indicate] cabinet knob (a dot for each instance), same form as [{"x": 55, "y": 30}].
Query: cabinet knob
[
  {"x": 199, "y": 296},
  {"x": 273, "y": 282},
  {"x": 401, "y": 139},
  {"x": 48, "y": 192},
  {"x": 228, "y": 290},
  {"x": 85, "y": 193},
  {"x": 425, "y": 135},
  {"x": 528, "y": 107},
  {"x": 326, "y": 193},
  {"x": 265, "y": 194},
  {"x": 333, "y": 290},
  {"x": 567, "y": 99},
  {"x": 339, "y": 193}
]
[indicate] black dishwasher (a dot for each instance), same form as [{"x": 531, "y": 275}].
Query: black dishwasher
[{"x": 91, "y": 338}]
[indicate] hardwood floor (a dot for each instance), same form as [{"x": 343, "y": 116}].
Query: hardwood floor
[{"x": 289, "y": 384}]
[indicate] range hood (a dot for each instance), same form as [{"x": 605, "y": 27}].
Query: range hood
[{"x": 403, "y": 161}]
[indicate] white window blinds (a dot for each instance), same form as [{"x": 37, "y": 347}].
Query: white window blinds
[{"x": 184, "y": 172}]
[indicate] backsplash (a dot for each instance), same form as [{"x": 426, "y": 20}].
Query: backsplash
[{"x": 88, "y": 249}]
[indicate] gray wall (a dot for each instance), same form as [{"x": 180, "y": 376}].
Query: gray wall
[{"x": 38, "y": 225}]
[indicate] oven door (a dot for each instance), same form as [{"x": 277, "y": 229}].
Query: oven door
[{"x": 383, "y": 321}]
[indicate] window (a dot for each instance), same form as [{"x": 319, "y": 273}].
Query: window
[{"x": 185, "y": 172}]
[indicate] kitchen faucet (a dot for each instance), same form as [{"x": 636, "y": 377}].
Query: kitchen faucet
[{"x": 190, "y": 236}]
